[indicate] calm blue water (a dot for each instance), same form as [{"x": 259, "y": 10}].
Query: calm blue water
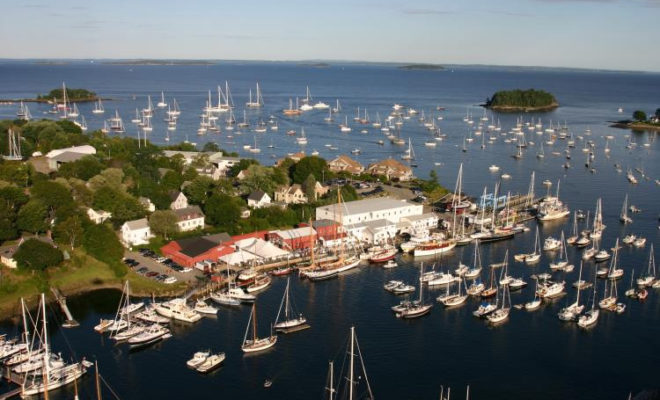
[{"x": 533, "y": 355}]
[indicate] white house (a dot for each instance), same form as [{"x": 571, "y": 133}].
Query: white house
[
  {"x": 147, "y": 204},
  {"x": 189, "y": 218},
  {"x": 136, "y": 232},
  {"x": 179, "y": 200},
  {"x": 217, "y": 164},
  {"x": 258, "y": 199},
  {"x": 98, "y": 217}
]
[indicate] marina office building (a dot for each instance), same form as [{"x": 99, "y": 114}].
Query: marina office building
[{"x": 371, "y": 221}]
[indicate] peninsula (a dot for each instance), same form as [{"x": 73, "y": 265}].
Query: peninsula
[
  {"x": 529, "y": 100},
  {"x": 640, "y": 122}
]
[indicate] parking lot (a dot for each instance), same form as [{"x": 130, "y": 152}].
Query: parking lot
[{"x": 155, "y": 269}]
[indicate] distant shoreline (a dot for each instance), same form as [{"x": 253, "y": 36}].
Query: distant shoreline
[
  {"x": 635, "y": 126},
  {"x": 159, "y": 62},
  {"x": 49, "y": 101},
  {"x": 422, "y": 67}
]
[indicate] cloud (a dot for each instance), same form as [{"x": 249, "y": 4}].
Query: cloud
[{"x": 426, "y": 11}]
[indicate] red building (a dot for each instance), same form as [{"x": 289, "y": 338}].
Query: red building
[
  {"x": 293, "y": 239},
  {"x": 190, "y": 251}
]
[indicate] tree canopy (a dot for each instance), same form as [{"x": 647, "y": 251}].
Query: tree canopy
[
  {"x": 37, "y": 255},
  {"x": 639, "y": 115},
  {"x": 521, "y": 98}
]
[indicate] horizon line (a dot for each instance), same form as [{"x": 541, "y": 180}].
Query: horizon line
[{"x": 330, "y": 61}]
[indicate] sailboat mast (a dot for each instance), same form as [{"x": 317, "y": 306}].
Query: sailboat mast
[
  {"x": 98, "y": 382},
  {"x": 332, "y": 379},
  {"x": 254, "y": 323},
  {"x": 350, "y": 380}
]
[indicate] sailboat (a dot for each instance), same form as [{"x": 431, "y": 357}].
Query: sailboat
[
  {"x": 536, "y": 301},
  {"x": 291, "y": 110},
  {"x": 454, "y": 299},
  {"x": 409, "y": 153},
  {"x": 614, "y": 272},
  {"x": 649, "y": 278},
  {"x": 418, "y": 308},
  {"x": 562, "y": 264},
  {"x": 98, "y": 107},
  {"x": 50, "y": 375},
  {"x": 502, "y": 312},
  {"x": 574, "y": 231},
  {"x": 302, "y": 139},
  {"x": 344, "y": 128},
  {"x": 162, "y": 103},
  {"x": 258, "y": 102},
  {"x": 475, "y": 271},
  {"x": 291, "y": 321},
  {"x": 623, "y": 217},
  {"x": 590, "y": 317},
  {"x": 571, "y": 312},
  {"x": 256, "y": 344},
  {"x": 355, "y": 387}
]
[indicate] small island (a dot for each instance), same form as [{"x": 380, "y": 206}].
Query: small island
[
  {"x": 640, "y": 122},
  {"x": 73, "y": 95},
  {"x": 426, "y": 67},
  {"x": 530, "y": 100}
]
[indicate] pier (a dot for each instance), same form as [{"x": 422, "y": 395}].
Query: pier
[{"x": 61, "y": 300}]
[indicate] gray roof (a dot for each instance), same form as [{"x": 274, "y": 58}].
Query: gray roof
[
  {"x": 68, "y": 156},
  {"x": 218, "y": 237},
  {"x": 367, "y": 205},
  {"x": 137, "y": 224},
  {"x": 420, "y": 217},
  {"x": 189, "y": 212},
  {"x": 373, "y": 225},
  {"x": 257, "y": 195}
]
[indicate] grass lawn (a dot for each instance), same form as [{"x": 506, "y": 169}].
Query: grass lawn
[{"x": 81, "y": 273}]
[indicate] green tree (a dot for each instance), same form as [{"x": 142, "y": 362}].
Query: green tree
[
  {"x": 258, "y": 177},
  {"x": 84, "y": 169},
  {"x": 101, "y": 242},
  {"x": 36, "y": 255},
  {"x": 639, "y": 115},
  {"x": 111, "y": 177},
  {"x": 7, "y": 223},
  {"x": 308, "y": 187},
  {"x": 222, "y": 210},
  {"x": 199, "y": 190},
  {"x": 309, "y": 165},
  {"x": 171, "y": 180},
  {"x": 163, "y": 222},
  {"x": 32, "y": 217},
  {"x": 211, "y": 146},
  {"x": 241, "y": 165},
  {"x": 70, "y": 231},
  {"x": 13, "y": 197},
  {"x": 657, "y": 113}
]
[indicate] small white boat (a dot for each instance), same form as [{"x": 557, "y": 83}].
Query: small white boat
[
  {"x": 198, "y": 358},
  {"x": 493, "y": 168},
  {"x": 210, "y": 363},
  {"x": 203, "y": 308}
]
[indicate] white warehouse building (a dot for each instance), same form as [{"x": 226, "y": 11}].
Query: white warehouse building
[{"x": 371, "y": 220}]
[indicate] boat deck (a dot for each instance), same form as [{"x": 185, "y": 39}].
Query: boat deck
[{"x": 295, "y": 328}]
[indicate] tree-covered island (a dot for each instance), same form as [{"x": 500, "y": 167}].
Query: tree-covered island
[{"x": 521, "y": 100}]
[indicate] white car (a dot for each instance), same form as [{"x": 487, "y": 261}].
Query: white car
[{"x": 170, "y": 280}]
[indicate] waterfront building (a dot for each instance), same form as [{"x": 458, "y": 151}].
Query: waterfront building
[{"x": 391, "y": 169}]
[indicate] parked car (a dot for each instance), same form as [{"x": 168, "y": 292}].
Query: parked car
[
  {"x": 151, "y": 274},
  {"x": 142, "y": 271},
  {"x": 170, "y": 280}
]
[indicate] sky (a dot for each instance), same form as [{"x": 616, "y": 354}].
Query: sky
[{"x": 601, "y": 34}]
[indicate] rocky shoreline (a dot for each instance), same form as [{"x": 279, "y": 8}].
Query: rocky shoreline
[{"x": 511, "y": 109}]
